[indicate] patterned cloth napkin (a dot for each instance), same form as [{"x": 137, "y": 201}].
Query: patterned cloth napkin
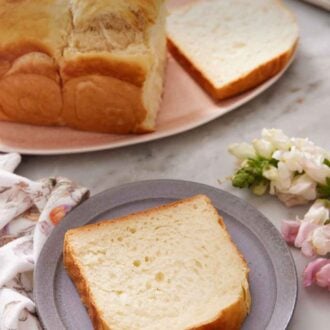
[{"x": 29, "y": 210}]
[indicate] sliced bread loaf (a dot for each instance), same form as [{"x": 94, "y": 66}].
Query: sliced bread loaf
[
  {"x": 90, "y": 65},
  {"x": 232, "y": 46},
  {"x": 172, "y": 267}
]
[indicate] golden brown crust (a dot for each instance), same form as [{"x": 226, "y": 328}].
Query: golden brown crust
[
  {"x": 35, "y": 63},
  {"x": 148, "y": 212},
  {"x": 243, "y": 84},
  {"x": 77, "y": 276},
  {"x": 84, "y": 65},
  {"x": 12, "y": 51},
  {"x": 234, "y": 315},
  {"x": 230, "y": 318},
  {"x": 30, "y": 90},
  {"x": 30, "y": 98},
  {"x": 103, "y": 104}
]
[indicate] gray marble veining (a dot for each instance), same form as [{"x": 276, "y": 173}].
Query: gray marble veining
[{"x": 299, "y": 104}]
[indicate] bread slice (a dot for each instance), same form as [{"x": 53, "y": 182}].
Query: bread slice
[
  {"x": 91, "y": 65},
  {"x": 232, "y": 46},
  {"x": 171, "y": 267}
]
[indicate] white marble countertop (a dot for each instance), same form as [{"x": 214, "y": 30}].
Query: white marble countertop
[{"x": 299, "y": 104}]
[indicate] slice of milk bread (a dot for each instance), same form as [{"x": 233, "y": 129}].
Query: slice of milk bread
[
  {"x": 232, "y": 46},
  {"x": 171, "y": 267}
]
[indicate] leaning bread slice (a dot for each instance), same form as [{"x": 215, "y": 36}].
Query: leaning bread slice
[
  {"x": 172, "y": 267},
  {"x": 232, "y": 46}
]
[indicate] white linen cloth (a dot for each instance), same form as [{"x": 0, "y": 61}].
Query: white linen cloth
[{"x": 29, "y": 210}]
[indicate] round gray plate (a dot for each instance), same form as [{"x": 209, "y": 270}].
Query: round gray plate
[{"x": 273, "y": 279}]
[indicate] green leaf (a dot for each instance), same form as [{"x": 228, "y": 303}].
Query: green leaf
[
  {"x": 243, "y": 178},
  {"x": 327, "y": 162},
  {"x": 273, "y": 162},
  {"x": 324, "y": 190},
  {"x": 250, "y": 175},
  {"x": 327, "y": 204}
]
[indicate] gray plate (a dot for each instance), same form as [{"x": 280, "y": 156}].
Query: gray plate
[{"x": 273, "y": 277}]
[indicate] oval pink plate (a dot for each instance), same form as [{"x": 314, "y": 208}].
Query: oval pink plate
[{"x": 185, "y": 106}]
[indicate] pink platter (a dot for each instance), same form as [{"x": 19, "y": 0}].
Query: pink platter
[{"x": 185, "y": 106}]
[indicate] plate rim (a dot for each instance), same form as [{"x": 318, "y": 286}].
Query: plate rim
[
  {"x": 48, "y": 313},
  {"x": 149, "y": 137}
]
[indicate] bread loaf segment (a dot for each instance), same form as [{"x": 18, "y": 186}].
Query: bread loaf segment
[
  {"x": 30, "y": 90},
  {"x": 117, "y": 87},
  {"x": 91, "y": 65},
  {"x": 33, "y": 35},
  {"x": 102, "y": 103}
]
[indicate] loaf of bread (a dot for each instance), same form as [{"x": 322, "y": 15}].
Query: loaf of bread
[
  {"x": 172, "y": 267},
  {"x": 232, "y": 46},
  {"x": 91, "y": 65}
]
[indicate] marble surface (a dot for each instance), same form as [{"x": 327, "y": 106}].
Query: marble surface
[{"x": 299, "y": 104}]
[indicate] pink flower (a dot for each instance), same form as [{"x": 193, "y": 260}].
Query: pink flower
[
  {"x": 299, "y": 234},
  {"x": 303, "y": 239},
  {"x": 307, "y": 249},
  {"x": 318, "y": 272},
  {"x": 290, "y": 229},
  {"x": 312, "y": 238},
  {"x": 323, "y": 277}
]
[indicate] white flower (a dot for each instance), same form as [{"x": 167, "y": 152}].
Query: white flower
[
  {"x": 270, "y": 173},
  {"x": 278, "y": 139},
  {"x": 263, "y": 148},
  {"x": 305, "y": 233},
  {"x": 318, "y": 172},
  {"x": 291, "y": 190},
  {"x": 309, "y": 147},
  {"x": 278, "y": 154},
  {"x": 284, "y": 179},
  {"x": 300, "y": 170},
  {"x": 293, "y": 159},
  {"x": 280, "y": 182},
  {"x": 321, "y": 240},
  {"x": 318, "y": 213},
  {"x": 242, "y": 150},
  {"x": 303, "y": 186},
  {"x": 303, "y": 144}
]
